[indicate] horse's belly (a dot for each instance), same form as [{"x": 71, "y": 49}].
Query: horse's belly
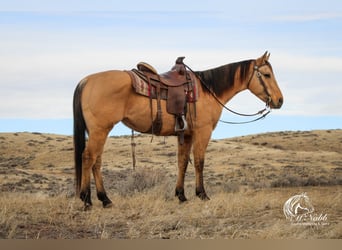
[{"x": 140, "y": 117}]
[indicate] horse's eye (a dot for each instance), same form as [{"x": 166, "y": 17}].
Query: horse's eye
[{"x": 267, "y": 75}]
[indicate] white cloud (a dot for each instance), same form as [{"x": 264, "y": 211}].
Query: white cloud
[
  {"x": 41, "y": 67},
  {"x": 305, "y": 17},
  {"x": 42, "y": 86}
]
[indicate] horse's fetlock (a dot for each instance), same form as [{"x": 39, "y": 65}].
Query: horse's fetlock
[{"x": 85, "y": 197}]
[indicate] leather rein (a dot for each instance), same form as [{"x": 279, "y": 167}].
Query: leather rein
[{"x": 261, "y": 113}]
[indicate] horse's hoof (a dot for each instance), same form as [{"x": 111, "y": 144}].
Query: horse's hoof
[
  {"x": 203, "y": 196},
  {"x": 182, "y": 199},
  {"x": 87, "y": 207},
  {"x": 180, "y": 194},
  {"x": 107, "y": 204}
]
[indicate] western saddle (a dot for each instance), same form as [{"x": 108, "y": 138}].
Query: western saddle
[{"x": 176, "y": 86}]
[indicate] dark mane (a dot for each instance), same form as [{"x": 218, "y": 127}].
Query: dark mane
[{"x": 222, "y": 78}]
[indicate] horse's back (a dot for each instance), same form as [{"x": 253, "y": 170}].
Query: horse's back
[{"x": 109, "y": 78}]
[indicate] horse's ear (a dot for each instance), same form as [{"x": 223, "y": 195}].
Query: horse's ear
[
  {"x": 268, "y": 54},
  {"x": 263, "y": 59}
]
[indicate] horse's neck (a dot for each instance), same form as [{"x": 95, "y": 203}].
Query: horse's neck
[
  {"x": 228, "y": 80},
  {"x": 238, "y": 86}
]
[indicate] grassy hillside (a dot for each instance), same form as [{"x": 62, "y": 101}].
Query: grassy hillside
[{"x": 247, "y": 178}]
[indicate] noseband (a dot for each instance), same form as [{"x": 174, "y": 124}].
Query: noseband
[{"x": 259, "y": 75}]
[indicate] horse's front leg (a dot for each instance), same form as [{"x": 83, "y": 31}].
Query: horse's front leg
[
  {"x": 201, "y": 141},
  {"x": 183, "y": 160}
]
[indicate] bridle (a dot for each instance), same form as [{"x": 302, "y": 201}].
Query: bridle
[
  {"x": 259, "y": 75},
  {"x": 261, "y": 113}
]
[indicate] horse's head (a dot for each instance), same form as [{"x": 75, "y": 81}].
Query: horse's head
[
  {"x": 297, "y": 205},
  {"x": 305, "y": 203},
  {"x": 263, "y": 83}
]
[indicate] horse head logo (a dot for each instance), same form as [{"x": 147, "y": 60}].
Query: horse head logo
[{"x": 297, "y": 205}]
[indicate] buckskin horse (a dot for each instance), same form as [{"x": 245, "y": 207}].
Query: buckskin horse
[{"x": 103, "y": 99}]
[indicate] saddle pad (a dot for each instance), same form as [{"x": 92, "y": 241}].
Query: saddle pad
[{"x": 143, "y": 88}]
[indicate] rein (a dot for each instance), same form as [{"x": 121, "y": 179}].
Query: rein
[{"x": 261, "y": 112}]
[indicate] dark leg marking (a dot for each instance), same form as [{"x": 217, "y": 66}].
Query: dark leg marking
[
  {"x": 85, "y": 197},
  {"x": 200, "y": 192},
  {"x": 180, "y": 194},
  {"x": 106, "y": 202}
]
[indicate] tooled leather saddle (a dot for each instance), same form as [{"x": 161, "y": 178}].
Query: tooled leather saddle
[{"x": 176, "y": 86}]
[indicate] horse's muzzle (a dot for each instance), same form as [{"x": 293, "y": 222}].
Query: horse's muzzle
[{"x": 276, "y": 104}]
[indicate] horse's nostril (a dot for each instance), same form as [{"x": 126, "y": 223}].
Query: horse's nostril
[{"x": 280, "y": 101}]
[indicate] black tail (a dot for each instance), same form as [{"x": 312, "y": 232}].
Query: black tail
[{"x": 79, "y": 134}]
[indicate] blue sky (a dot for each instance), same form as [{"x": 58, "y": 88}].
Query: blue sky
[{"x": 46, "y": 47}]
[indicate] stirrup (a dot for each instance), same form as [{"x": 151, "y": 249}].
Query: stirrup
[{"x": 178, "y": 126}]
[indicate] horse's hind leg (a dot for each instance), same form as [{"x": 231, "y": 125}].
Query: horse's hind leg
[
  {"x": 91, "y": 161},
  {"x": 101, "y": 192},
  {"x": 87, "y": 163}
]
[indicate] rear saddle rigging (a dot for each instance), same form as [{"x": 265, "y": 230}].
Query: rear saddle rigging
[{"x": 177, "y": 87}]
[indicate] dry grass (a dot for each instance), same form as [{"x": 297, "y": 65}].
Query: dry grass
[
  {"x": 147, "y": 215},
  {"x": 248, "y": 180}
]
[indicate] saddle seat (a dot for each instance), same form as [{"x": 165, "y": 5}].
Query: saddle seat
[
  {"x": 145, "y": 67},
  {"x": 176, "y": 86},
  {"x": 173, "y": 78}
]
